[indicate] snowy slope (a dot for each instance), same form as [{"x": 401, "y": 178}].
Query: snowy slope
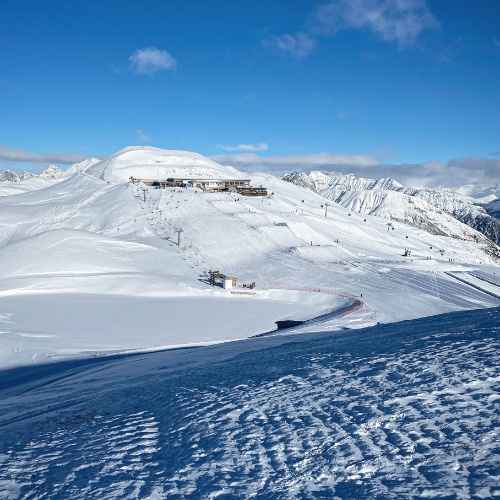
[
  {"x": 81, "y": 166},
  {"x": 347, "y": 404},
  {"x": 408, "y": 410},
  {"x": 493, "y": 208},
  {"x": 11, "y": 183},
  {"x": 91, "y": 238},
  {"x": 8, "y": 188},
  {"x": 146, "y": 162},
  {"x": 462, "y": 204}
]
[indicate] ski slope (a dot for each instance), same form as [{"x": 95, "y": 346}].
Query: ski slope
[
  {"x": 485, "y": 284},
  {"x": 125, "y": 375},
  {"x": 436, "y": 210},
  {"x": 92, "y": 254}
]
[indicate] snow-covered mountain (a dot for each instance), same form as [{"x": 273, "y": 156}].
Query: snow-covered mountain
[
  {"x": 9, "y": 176},
  {"x": 146, "y": 162},
  {"x": 372, "y": 392},
  {"x": 25, "y": 176},
  {"x": 81, "y": 166},
  {"x": 51, "y": 172},
  {"x": 493, "y": 208},
  {"x": 11, "y": 183},
  {"x": 435, "y": 210},
  {"x": 93, "y": 232}
]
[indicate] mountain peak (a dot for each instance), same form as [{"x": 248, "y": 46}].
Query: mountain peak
[
  {"x": 436, "y": 210},
  {"x": 51, "y": 172},
  {"x": 9, "y": 176},
  {"x": 147, "y": 162}
]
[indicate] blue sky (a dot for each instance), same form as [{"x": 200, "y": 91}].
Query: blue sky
[{"x": 408, "y": 88}]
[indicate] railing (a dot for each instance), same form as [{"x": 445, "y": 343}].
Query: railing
[{"x": 358, "y": 303}]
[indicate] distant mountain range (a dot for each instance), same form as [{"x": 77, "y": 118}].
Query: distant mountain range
[
  {"x": 434, "y": 210},
  {"x": 50, "y": 173},
  {"x": 440, "y": 211},
  {"x": 86, "y": 255}
]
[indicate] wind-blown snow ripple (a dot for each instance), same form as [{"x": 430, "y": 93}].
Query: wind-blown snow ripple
[{"x": 399, "y": 411}]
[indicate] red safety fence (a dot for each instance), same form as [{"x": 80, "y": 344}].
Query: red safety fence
[{"x": 358, "y": 303}]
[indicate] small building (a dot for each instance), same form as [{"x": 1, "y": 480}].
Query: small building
[
  {"x": 210, "y": 185},
  {"x": 226, "y": 281},
  {"x": 207, "y": 184},
  {"x": 252, "y": 191}
]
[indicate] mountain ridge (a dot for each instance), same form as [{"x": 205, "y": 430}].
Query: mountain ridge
[
  {"x": 397, "y": 202},
  {"x": 51, "y": 172}
]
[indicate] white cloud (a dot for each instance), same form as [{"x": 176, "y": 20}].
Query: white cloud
[
  {"x": 150, "y": 60},
  {"x": 142, "y": 136},
  {"x": 298, "y": 45},
  {"x": 398, "y": 21},
  {"x": 294, "y": 162},
  {"x": 21, "y": 155},
  {"x": 261, "y": 146},
  {"x": 453, "y": 173}
]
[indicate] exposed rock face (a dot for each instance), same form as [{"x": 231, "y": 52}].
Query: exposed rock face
[
  {"x": 9, "y": 176},
  {"x": 51, "y": 172},
  {"x": 24, "y": 176}
]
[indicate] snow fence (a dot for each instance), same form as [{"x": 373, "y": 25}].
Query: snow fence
[{"x": 357, "y": 302}]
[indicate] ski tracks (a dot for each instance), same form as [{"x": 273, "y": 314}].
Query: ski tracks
[{"x": 58, "y": 217}]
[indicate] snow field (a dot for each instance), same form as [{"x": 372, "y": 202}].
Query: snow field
[
  {"x": 9, "y": 188},
  {"x": 153, "y": 163},
  {"x": 481, "y": 283},
  {"x": 85, "y": 235},
  {"x": 92, "y": 278},
  {"x": 99, "y": 324},
  {"x": 407, "y": 410},
  {"x": 438, "y": 211}
]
